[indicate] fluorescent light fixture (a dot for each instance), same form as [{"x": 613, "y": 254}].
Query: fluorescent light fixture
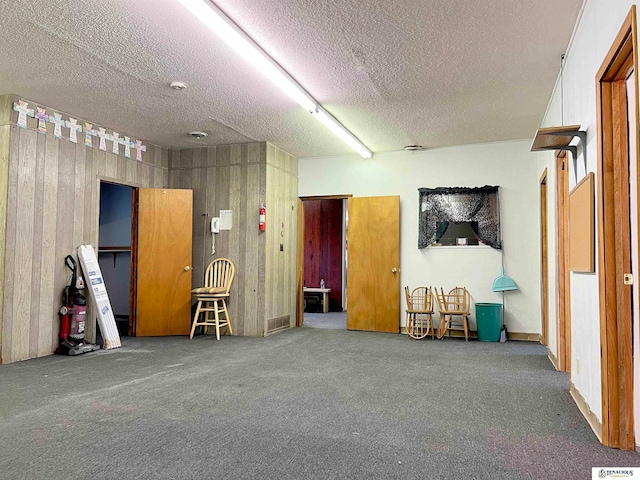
[
  {"x": 214, "y": 18},
  {"x": 339, "y": 131}
]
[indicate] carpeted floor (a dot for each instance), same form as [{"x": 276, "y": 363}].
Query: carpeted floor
[
  {"x": 303, "y": 404},
  {"x": 335, "y": 320}
]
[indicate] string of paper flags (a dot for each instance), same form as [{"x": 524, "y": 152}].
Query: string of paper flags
[{"x": 39, "y": 113}]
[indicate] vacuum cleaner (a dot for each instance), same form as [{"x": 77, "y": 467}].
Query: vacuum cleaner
[{"x": 73, "y": 315}]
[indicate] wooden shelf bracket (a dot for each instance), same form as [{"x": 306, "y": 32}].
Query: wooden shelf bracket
[{"x": 559, "y": 138}]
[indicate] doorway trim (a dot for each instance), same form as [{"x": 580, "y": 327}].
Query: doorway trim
[
  {"x": 544, "y": 260},
  {"x": 563, "y": 276},
  {"x": 614, "y": 250},
  {"x": 300, "y": 256}
]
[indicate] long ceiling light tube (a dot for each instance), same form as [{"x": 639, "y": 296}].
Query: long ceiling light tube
[
  {"x": 223, "y": 26},
  {"x": 214, "y": 18},
  {"x": 339, "y": 131}
]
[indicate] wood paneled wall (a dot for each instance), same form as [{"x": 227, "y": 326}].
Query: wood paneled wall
[
  {"x": 240, "y": 178},
  {"x": 281, "y": 239},
  {"x": 228, "y": 177},
  {"x": 52, "y": 207},
  {"x": 323, "y": 221},
  {"x": 49, "y": 201}
]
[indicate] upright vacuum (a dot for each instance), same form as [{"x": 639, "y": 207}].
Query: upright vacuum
[{"x": 73, "y": 315}]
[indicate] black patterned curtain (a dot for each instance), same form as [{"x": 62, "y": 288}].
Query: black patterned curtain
[{"x": 439, "y": 206}]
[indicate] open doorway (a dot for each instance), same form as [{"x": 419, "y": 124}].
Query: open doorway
[
  {"x": 114, "y": 250},
  {"x": 325, "y": 262}
]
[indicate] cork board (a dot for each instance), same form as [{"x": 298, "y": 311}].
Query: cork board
[{"x": 582, "y": 227}]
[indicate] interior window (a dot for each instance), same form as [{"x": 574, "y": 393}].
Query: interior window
[{"x": 457, "y": 233}]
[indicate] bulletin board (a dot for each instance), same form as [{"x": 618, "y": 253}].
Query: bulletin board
[{"x": 582, "y": 226}]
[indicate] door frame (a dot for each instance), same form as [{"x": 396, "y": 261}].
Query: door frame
[
  {"x": 563, "y": 276},
  {"x": 133, "y": 272},
  {"x": 544, "y": 260},
  {"x": 300, "y": 256},
  {"x": 614, "y": 250}
]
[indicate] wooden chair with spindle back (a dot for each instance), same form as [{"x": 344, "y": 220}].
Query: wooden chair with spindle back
[
  {"x": 419, "y": 313},
  {"x": 455, "y": 303},
  {"x": 212, "y": 298}
]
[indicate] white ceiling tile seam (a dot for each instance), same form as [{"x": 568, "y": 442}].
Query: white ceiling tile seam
[{"x": 216, "y": 20}]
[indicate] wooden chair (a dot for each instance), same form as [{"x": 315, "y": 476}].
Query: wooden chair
[
  {"x": 212, "y": 298},
  {"x": 456, "y": 302},
  {"x": 419, "y": 313}
]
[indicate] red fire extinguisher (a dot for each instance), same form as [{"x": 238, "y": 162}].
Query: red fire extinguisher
[{"x": 263, "y": 218}]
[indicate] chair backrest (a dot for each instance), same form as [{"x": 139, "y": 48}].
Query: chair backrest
[
  {"x": 457, "y": 300},
  {"x": 420, "y": 299},
  {"x": 220, "y": 274}
]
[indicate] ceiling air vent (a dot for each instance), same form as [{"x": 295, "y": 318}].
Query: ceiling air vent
[
  {"x": 413, "y": 148},
  {"x": 198, "y": 135}
]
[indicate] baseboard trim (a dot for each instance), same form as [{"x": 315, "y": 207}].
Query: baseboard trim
[
  {"x": 552, "y": 358},
  {"x": 523, "y": 337},
  {"x": 513, "y": 336},
  {"x": 592, "y": 420}
]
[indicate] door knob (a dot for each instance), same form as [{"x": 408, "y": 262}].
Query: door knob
[
  {"x": 394, "y": 270},
  {"x": 186, "y": 269}
]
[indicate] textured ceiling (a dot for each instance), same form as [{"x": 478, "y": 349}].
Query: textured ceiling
[{"x": 429, "y": 72}]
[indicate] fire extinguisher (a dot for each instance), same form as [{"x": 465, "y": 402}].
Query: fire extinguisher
[{"x": 263, "y": 218}]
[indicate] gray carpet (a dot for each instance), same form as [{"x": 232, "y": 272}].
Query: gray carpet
[
  {"x": 335, "y": 320},
  {"x": 306, "y": 403}
]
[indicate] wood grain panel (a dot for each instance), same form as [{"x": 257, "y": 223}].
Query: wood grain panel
[
  {"x": 374, "y": 251},
  {"x": 164, "y": 287},
  {"x": 4, "y": 185},
  {"x": 22, "y": 276},
  {"x": 253, "y": 251},
  {"x": 36, "y": 248},
  {"x": 49, "y": 298}
]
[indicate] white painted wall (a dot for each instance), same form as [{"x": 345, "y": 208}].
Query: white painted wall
[
  {"x": 600, "y": 22},
  {"x": 509, "y": 165}
]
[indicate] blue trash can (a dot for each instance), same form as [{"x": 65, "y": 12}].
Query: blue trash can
[{"x": 489, "y": 321}]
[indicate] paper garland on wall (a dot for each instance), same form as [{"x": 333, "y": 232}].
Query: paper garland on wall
[
  {"x": 23, "y": 110},
  {"x": 89, "y": 132},
  {"x": 40, "y": 113},
  {"x": 42, "y": 120},
  {"x": 74, "y": 128}
]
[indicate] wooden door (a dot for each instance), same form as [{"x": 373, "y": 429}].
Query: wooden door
[
  {"x": 164, "y": 262},
  {"x": 373, "y": 264}
]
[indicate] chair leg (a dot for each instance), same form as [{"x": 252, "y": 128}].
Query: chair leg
[
  {"x": 226, "y": 316},
  {"x": 465, "y": 324},
  {"x": 430, "y": 326},
  {"x": 217, "y": 318},
  {"x": 195, "y": 319}
]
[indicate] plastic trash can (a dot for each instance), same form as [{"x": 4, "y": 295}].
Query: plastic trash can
[{"x": 489, "y": 321}]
